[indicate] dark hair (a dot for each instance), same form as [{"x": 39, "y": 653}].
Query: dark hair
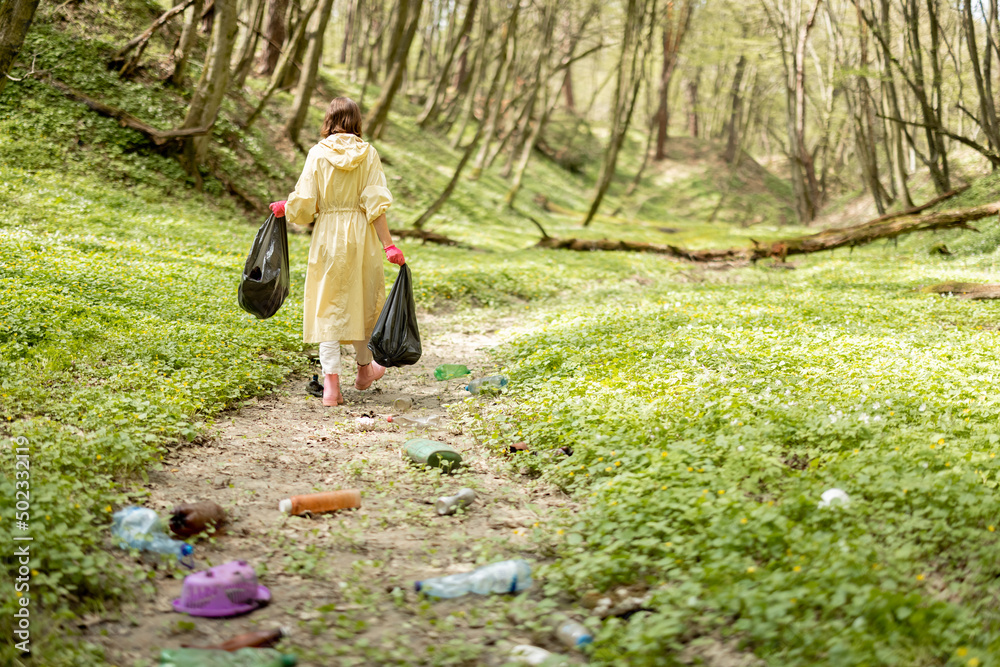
[{"x": 342, "y": 117}]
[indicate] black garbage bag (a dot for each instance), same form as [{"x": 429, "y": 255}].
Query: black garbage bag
[
  {"x": 396, "y": 339},
  {"x": 265, "y": 276}
]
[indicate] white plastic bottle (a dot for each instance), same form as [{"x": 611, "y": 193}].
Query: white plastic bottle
[
  {"x": 573, "y": 634},
  {"x": 509, "y": 576}
]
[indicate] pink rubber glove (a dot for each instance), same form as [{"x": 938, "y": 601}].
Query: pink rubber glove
[
  {"x": 278, "y": 208},
  {"x": 394, "y": 255}
]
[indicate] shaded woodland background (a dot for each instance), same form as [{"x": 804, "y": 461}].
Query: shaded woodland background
[{"x": 838, "y": 97}]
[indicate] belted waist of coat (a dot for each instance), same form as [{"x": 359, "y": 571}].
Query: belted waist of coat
[{"x": 330, "y": 209}]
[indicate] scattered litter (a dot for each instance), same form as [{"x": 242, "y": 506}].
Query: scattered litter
[
  {"x": 140, "y": 528},
  {"x": 427, "y": 421},
  {"x": 365, "y": 423},
  {"x": 451, "y": 504},
  {"x": 325, "y": 501},
  {"x": 315, "y": 387},
  {"x": 832, "y": 496},
  {"x": 432, "y": 453},
  {"x": 402, "y": 404},
  {"x": 573, "y": 634},
  {"x": 509, "y": 576},
  {"x": 245, "y": 657},
  {"x": 450, "y": 372},
  {"x": 229, "y": 589},
  {"x": 518, "y": 447},
  {"x": 259, "y": 639},
  {"x": 491, "y": 382},
  {"x": 526, "y": 654},
  {"x": 740, "y": 448},
  {"x": 193, "y": 518}
]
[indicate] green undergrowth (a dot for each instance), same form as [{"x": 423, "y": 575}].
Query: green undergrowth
[{"x": 706, "y": 420}]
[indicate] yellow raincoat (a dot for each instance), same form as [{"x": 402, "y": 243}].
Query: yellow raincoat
[{"x": 343, "y": 185}]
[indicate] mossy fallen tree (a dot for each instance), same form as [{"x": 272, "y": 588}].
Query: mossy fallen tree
[
  {"x": 830, "y": 239},
  {"x": 971, "y": 291}
]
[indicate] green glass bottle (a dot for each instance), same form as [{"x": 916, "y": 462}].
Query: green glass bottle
[
  {"x": 450, "y": 371},
  {"x": 433, "y": 453},
  {"x": 245, "y": 657}
]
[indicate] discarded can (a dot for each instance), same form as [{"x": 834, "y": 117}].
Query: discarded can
[
  {"x": 193, "y": 518},
  {"x": 259, "y": 639},
  {"x": 451, "y": 504},
  {"x": 573, "y": 634},
  {"x": 433, "y": 453},
  {"x": 326, "y": 501}
]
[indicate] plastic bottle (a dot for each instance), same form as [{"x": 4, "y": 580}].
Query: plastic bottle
[
  {"x": 259, "y": 639},
  {"x": 509, "y": 576},
  {"x": 427, "y": 421},
  {"x": 432, "y": 453},
  {"x": 140, "y": 528},
  {"x": 451, "y": 504},
  {"x": 402, "y": 404},
  {"x": 476, "y": 386},
  {"x": 326, "y": 501},
  {"x": 193, "y": 518},
  {"x": 450, "y": 371},
  {"x": 573, "y": 634},
  {"x": 245, "y": 657}
]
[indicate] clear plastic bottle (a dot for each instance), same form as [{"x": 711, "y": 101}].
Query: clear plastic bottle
[
  {"x": 245, "y": 657},
  {"x": 526, "y": 654},
  {"x": 509, "y": 576},
  {"x": 573, "y": 634},
  {"x": 140, "y": 528},
  {"x": 476, "y": 386}
]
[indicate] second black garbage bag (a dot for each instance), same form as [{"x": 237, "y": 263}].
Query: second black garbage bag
[
  {"x": 396, "y": 338},
  {"x": 265, "y": 276}
]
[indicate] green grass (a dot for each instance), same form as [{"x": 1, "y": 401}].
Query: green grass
[{"x": 707, "y": 419}]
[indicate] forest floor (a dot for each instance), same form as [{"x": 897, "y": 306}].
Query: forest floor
[{"x": 349, "y": 574}]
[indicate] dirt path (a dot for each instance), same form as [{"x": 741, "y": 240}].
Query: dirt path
[{"x": 343, "y": 583}]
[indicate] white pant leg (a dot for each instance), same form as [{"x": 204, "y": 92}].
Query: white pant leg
[
  {"x": 329, "y": 357},
  {"x": 361, "y": 352}
]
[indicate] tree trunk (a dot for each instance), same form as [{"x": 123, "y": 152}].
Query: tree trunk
[
  {"x": 467, "y": 109},
  {"x": 987, "y": 110},
  {"x": 735, "y": 113},
  {"x": 673, "y": 35},
  {"x": 307, "y": 80},
  {"x": 429, "y": 113},
  {"x": 186, "y": 44},
  {"x": 284, "y": 62},
  {"x": 495, "y": 90},
  {"x": 275, "y": 35},
  {"x": 249, "y": 45},
  {"x": 15, "y": 20},
  {"x": 692, "y": 101},
  {"x": 345, "y": 44},
  {"x": 628, "y": 81},
  {"x": 377, "y": 115},
  {"x": 495, "y": 102},
  {"x": 214, "y": 82}
]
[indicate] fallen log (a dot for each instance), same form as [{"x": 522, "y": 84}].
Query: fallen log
[
  {"x": 159, "y": 138},
  {"x": 971, "y": 291},
  {"x": 430, "y": 237},
  {"x": 829, "y": 239}
]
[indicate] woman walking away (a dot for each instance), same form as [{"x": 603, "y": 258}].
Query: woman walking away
[{"x": 344, "y": 188}]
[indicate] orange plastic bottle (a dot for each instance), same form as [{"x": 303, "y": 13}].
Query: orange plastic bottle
[{"x": 327, "y": 501}]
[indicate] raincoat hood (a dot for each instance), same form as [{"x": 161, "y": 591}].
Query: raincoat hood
[{"x": 343, "y": 151}]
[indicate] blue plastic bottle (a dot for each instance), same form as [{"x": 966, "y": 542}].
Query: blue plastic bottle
[
  {"x": 140, "y": 528},
  {"x": 509, "y": 576},
  {"x": 476, "y": 386}
]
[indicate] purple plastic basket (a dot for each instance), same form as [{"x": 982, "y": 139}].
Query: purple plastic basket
[{"x": 229, "y": 589}]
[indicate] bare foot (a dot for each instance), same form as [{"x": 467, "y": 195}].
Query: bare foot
[
  {"x": 331, "y": 390},
  {"x": 368, "y": 374}
]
